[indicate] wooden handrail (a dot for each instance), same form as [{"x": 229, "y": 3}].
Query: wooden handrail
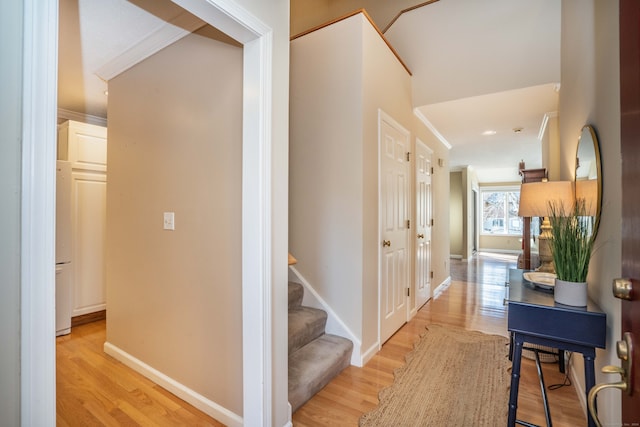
[
  {"x": 409, "y": 9},
  {"x": 292, "y": 260},
  {"x": 349, "y": 15}
]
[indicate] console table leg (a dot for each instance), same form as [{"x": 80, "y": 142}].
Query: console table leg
[
  {"x": 515, "y": 381},
  {"x": 589, "y": 382}
]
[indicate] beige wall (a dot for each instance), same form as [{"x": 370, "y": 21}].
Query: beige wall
[
  {"x": 500, "y": 243},
  {"x": 11, "y": 19},
  {"x": 306, "y": 14},
  {"x": 455, "y": 213},
  {"x": 175, "y": 145},
  {"x": 590, "y": 94}
]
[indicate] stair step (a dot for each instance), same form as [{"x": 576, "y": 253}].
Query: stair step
[
  {"x": 296, "y": 292},
  {"x": 314, "y": 365},
  {"x": 305, "y": 325}
]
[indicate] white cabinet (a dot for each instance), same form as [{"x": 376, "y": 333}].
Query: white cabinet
[{"x": 85, "y": 146}]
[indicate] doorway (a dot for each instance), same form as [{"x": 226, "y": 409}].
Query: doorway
[
  {"x": 393, "y": 175},
  {"x": 38, "y": 189},
  {"x": 424, "y": 211}
]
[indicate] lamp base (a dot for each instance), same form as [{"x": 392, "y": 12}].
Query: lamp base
[{"x": 546, "y": 258}]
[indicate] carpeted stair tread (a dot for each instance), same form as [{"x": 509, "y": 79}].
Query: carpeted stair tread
[
  {"x": 305, "y": 325},
  {"x": 296, "y": 292},
  {"x": 314, "y": 365}
]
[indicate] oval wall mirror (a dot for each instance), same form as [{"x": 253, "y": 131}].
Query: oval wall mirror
[{"x": 589, "y": 174}]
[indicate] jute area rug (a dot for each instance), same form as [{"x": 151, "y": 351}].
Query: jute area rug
[{"x": 453, "y": 377}]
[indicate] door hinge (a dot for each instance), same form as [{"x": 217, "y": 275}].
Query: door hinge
[
  {"x": 432, "y": 170},
  {"x": 408, "y": 155},
  {"x": 408, "y": 292},
  {"x": 432, "y": 222},
  {"x": 431, "y": 274},
  {"x": 408, "y": 224}
]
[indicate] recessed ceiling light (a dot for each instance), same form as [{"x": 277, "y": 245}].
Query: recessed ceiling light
[{"x": 489, "y": 132}]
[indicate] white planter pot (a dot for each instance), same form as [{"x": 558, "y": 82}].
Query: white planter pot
[{"x": 570, "y": 293}]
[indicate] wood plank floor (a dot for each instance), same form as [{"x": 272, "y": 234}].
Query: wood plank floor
[
  {"x": 474, "y": 301},
  {"x": 94, "y": 389}
]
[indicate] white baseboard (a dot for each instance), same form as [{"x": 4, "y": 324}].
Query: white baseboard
[
  {"x": 441, "y": 287},
  {"x": 183, "y": 392},
  {"x": 452, "y": 256},
  {"x": 335, "y": 325},
  {"x": 370, "y": 353},
  {"x": 501, "y": 251},
  {"x": 577, "y": 383}
]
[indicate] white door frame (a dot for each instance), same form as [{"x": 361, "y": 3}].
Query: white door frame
[{"x": 38, "y": 364}]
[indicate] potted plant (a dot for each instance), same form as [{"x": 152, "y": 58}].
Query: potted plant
[{"x": 571, "y": 246}]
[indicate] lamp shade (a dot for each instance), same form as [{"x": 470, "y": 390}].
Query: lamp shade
[
  {"x": 587, "y": 190},
  {"x": 535, "y": 197}
]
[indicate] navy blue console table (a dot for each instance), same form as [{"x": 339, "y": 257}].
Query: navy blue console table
[{"x": 535, "y": 318}]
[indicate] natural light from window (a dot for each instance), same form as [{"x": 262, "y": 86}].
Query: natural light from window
[{"x": 500, "y": 211}]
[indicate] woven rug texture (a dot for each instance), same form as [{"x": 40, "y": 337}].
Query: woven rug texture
[{"x": 453, "y": 377}]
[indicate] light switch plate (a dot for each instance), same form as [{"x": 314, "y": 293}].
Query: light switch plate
[{"x": 169, "y": 221}]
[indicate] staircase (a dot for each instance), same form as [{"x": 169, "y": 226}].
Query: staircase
[{"x": 314, "y": 356}]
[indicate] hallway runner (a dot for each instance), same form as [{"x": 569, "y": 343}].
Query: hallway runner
[{"x": 453, "y": 377}]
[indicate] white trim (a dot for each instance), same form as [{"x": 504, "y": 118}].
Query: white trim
[
  {"x": 501, "y": 251},
  {"x": 169, "y": 33},
  {"x": 37, "y": 308},
  {"x": 545, "y": 122},
  {"x": 432, "y": 128},
  {"x": 64, "y": 115},
  {"x": 38, "y": 402},
  {"x": 334, "y": 325},
  {"x": 190, "y": 396},
  {"x": 257, "y": 195},
  {"x": 441, "y": 287},
  {"x": 367, "y": 355}
]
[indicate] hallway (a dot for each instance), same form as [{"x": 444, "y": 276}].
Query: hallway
[
  {"x": 95, "y": 389},
  {"x": 473, "y": 300}
]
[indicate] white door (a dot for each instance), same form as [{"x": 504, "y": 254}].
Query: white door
[
  {"x": 394, "y": 214},
  {"x": 423, "y": 223}
]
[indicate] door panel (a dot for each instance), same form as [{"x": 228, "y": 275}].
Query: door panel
[
  {"x": 394, "y": 211},
  {"x": 423, "y": 224},
  {"x": 630, "y": 147}
]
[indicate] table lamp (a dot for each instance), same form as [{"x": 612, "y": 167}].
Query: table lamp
[{"x": 535, "y": 200}]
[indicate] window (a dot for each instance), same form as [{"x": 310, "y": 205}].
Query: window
[{"x": 500, "y": 211}]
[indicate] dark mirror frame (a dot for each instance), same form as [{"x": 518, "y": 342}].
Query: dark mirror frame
[{"x": 589, "y": 148}]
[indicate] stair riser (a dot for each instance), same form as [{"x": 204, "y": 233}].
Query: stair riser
[{"x": 305, "y": 325}]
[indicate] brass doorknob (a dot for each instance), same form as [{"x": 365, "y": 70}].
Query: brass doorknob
[
  {"x": 420, "y": 236},
  {"x": 386, "y": 243},
  {"x": 623, "y": 289},
  {"x": 624, "y": 348}
]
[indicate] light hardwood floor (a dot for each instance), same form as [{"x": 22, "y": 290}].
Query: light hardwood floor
[
  {"x": 94, "y": 389},
  {"x": 474, "y": 301}
]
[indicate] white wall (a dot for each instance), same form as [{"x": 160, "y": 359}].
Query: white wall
[
  {"x": 175, "y": 145},
  {"x": 341, "y": 76},
  {"x": 326, "y": 166},
  {"x": 590, "y": 94},
  {"x": 10, "y": 158}
]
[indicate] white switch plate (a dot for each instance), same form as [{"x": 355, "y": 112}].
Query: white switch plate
[{"x": 169, "y": 221}]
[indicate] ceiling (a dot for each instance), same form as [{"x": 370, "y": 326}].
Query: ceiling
[{"x": 477, "y": 66}]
